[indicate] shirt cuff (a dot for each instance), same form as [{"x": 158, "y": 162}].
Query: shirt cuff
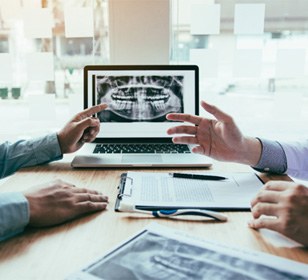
[
  {"x": 14, "y": 214},
  {"x": 47, "y": 149},
  {"x": 273, "y": 158}
]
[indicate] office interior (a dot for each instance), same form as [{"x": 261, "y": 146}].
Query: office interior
[
  {"x": 43, "y": 63},
  {"x": 253, "y": 61}
]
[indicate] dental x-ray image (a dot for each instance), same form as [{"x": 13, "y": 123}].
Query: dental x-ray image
[
  {"x": 139, "y": 98},
  {"x": 151, "y": 256}
]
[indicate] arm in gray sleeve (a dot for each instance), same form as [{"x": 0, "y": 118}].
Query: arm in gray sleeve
[
  {"x": 14, "y": 214},
  {"x": 273, "y": 158},
  {"x": 28, "y": 153}
]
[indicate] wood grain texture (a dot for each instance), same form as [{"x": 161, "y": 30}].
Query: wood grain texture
[{"x": 55, "y": 252}]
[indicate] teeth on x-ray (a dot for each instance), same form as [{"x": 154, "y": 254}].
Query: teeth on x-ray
[{"x": 139, "y": 98}]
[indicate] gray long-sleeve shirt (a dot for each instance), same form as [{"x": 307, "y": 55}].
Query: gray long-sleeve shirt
[
  {"x": 284, "y": 157},
  {"x": 14, "y": 207}
]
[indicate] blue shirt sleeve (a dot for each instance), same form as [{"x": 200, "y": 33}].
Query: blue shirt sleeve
[
  {"x": 14, "y": 207},
  {"x": 14, "y": 214},
  {"x": 273, "y": 158},
  {"x": 24, "y": 153},
  {"x": 297, "y": 158}
]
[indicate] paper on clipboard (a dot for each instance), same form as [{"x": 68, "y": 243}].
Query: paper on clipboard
[{"x": 149, "y": 190}]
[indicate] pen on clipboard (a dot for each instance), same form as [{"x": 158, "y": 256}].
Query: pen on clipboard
[
  {"x": 167, "y": 213},
  {"x": 198, "y": 176}
]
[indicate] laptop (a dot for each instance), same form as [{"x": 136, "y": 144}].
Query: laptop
[{"x": 133, "y": 127}]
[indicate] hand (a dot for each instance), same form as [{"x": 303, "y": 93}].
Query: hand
[
  {"x": 82, "y": 128},
  {"x": 288, "y": 203},
  {"x": 58, "y": 202},
  {"x": 218, "y": 138}
]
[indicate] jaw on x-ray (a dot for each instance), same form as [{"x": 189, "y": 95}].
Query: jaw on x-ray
[{"x": 139, "y": 98}]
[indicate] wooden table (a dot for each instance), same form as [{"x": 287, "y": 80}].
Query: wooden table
[{"x": 55, "y": 252}]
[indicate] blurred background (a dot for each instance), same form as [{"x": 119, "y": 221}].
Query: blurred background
[{"x": 252, "y": 57}]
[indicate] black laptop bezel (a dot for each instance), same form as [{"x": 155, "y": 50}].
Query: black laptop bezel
[{"x": 88, "y": 68}]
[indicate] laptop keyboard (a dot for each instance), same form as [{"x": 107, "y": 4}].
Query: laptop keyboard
[{"x": 141, "y": 149}]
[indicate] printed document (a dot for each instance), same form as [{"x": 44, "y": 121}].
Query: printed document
[{"x": 161, "y": 190}]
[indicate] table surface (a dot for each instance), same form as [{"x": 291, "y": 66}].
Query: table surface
[{"x": 56, "y": 252}]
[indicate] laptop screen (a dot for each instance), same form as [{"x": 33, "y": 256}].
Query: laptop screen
[{"x": 140, "y": 97}]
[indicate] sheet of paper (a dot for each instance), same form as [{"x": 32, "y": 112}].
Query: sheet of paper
[
  {"x": 205, "y": 19},
  {"x": 40, "y": 66},
  {"x": 79, "y": 22},
  {"x": 162, "y": 190},
  {"x": 249, "y": 19},
  {"x": 181, "y": 11},
  {"x": 290, "y": 63},
  {"x": 174, "y": 254},
  {"x": 38, "y": 22},
  {"x": 207, "y": 60},
  {"x": 247, "y": 63},
  {"x": 6, "y": 69}
]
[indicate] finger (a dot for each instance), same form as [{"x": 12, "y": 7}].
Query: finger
[
  {"x": 182, "y": 129},
  {"x": 277, "y": 185},
  {"x": 263, "y": 208},
  {"x": 266, "y": 196},
  {"x": 184, "y": 118},
  {"x": 88, "y": 122},
  {"x": 92, "y": 130},
  {"x": 84, "y": 190},
  {"x": 91, "y": 111},
  {"x": 217, "y": 113},
  {"x": 63, "y": 184},
  {"x": 87, "y": 139},
  {"x": 269, "y": 223},
  {"x": 91, "y": 197},
  {"x": 90, "y": 135},
  {"x": 89, "y": 206},
  {"x": 185, "y": 140},
  {"x": 198, "y": 150}
]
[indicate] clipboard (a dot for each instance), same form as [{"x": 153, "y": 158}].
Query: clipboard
[
  {"x": 122, "y": 192},
  {"x": 233, "y": 194}
]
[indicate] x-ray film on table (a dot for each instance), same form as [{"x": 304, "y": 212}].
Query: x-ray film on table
[{"x": 160, "y": 252}]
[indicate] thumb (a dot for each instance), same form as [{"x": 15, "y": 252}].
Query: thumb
[
  {"x": 216, "y": 112},
  {"x": 88, "y": 122}
]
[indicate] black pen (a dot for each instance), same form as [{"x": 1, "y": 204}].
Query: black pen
[{"x": 198, "y": 176}]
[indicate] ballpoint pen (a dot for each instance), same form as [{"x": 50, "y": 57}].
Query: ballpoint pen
[
  {"x": 167, "y": 213},
  {"x": 198, "y": 176}
]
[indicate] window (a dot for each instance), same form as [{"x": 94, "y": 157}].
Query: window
[{"x": 252, "y": 57}]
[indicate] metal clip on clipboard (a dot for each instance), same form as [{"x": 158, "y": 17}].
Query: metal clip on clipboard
[{"x": 124, "y": 189}]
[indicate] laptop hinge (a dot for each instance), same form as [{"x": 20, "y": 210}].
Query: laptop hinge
[{"x": 133, "y": 140}]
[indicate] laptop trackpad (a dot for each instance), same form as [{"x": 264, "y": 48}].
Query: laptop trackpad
[{"x": 141, "y": 158}]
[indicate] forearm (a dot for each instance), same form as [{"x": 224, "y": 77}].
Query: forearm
[
  {"x": 28, "y": 153},
  {"x": 250, "y": 152},
  {"x": 14, "y": 214}
]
